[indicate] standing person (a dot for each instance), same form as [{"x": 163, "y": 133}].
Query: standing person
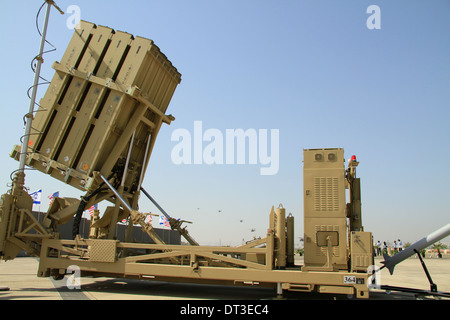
[
  {"x": 378, "y": 246},
  {"x": 395, "y": 247},
  {"x": 400, "y": 245},
  {"x": 384, "y": 248}
]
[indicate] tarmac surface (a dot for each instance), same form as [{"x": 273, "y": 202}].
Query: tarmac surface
[{"x": 19, "y": 278}]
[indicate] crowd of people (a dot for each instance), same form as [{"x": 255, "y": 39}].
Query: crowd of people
[{"x": 382, "y": 248}]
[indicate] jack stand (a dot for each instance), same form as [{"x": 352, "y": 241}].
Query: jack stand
[{"x": 279, "y": 292}]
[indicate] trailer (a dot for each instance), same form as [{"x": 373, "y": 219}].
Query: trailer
[{"x": 95, "y": 130}]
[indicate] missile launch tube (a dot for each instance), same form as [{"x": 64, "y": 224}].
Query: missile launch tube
[{"x": 391, "y": 262}]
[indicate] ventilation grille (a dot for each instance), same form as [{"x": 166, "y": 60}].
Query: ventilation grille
[{"x": 326, "y": 194}]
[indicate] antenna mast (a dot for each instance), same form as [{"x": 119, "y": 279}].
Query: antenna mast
[{"x": 19, "y": 179}]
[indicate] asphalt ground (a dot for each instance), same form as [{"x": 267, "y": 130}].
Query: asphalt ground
[{"x": 19, "y": 277}]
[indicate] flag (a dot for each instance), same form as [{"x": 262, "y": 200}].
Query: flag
[
  {"x": 36, "y": 197},
  {"x": 91, "y": 209},
  {"x": 148, "y": 219},
  {"x": 53, "y": 196},
  {"x": 163, "y": 221}
]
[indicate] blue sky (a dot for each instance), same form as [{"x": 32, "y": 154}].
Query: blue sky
[{"x": 311, "y": 69}]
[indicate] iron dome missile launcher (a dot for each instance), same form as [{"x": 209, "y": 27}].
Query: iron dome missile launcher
[{"x": 95, "y": 131}]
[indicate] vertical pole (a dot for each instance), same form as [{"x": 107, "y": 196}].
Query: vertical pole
[
  {"x": 19, "y": 179},
  {"x": 137, "y": 194},
  {"x": 290, "y": 260},
  {"x": 144, "y": 162},
  {"x": 113, "y": 223},
  {"x": 29, "y": 116},
  {"x": 127, "y": 162},
  {"x": 280, "y": 237}
]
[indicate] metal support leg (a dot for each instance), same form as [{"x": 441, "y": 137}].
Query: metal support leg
[
  {"x": 433, "y": 286},
  {"x": 279, "y": 291},
  {"x": 136, "y": 217},
  {"x": 174, "y": 224}
]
